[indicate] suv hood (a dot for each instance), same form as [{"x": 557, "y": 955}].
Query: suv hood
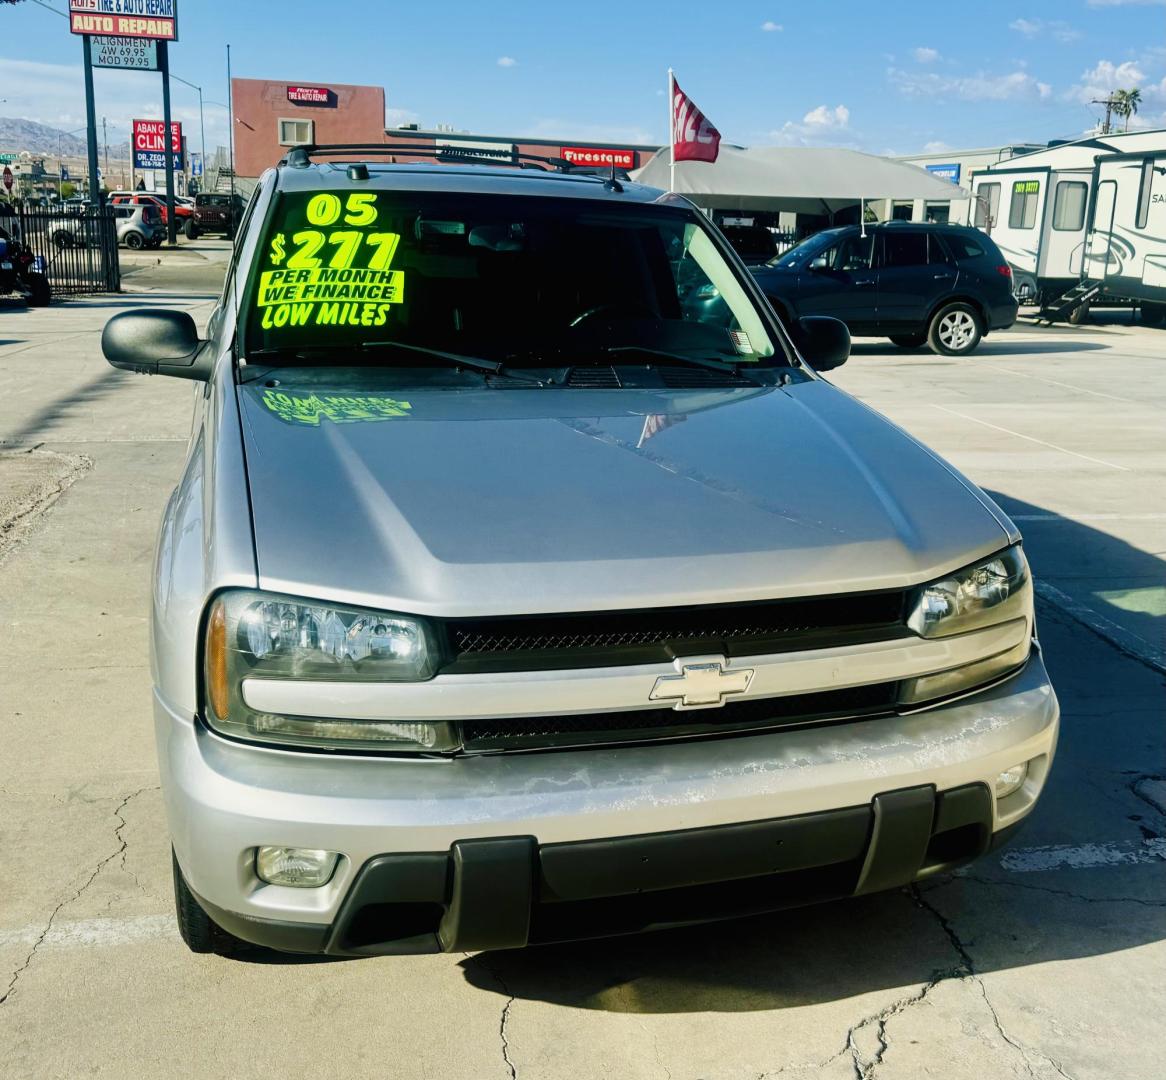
[{"x": 515, "y": 501}]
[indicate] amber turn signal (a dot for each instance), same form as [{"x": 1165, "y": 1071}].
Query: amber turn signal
[{"x": 217, "y": 687}]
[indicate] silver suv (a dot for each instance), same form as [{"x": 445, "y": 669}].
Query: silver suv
[{"x": 513, "y": 593}]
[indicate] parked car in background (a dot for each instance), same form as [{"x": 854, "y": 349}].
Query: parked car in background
[
  {"x": 505, "y": 598},
  {"x": 754, "y": 243},
  {"x": 145, "y": 198},
  {"x": 139, "y": 225},
  {"x": 943, "y": 285},
  {"x": 214, "y": 213}
]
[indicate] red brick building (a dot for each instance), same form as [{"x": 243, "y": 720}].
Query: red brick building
[{"x": 272, "y": 116}]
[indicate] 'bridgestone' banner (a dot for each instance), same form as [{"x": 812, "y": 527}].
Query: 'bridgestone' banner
[{"x": 157, "y": 19}]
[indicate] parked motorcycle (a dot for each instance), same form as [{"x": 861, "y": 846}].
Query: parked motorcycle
[{"x": 21, "y": 272}]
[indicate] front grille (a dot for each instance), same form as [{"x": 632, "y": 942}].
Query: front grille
[
  {"x": 619, "y": 637},
  {"x": 581, "y": 729}
]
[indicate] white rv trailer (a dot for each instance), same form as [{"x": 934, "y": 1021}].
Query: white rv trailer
[{"x": 1058, "y": 228}]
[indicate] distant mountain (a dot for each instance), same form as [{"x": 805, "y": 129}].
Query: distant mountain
[{"x": 17, "y": 135}]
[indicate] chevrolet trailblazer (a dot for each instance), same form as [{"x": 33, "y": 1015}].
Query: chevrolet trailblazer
[{"x": 512, "y": 594}]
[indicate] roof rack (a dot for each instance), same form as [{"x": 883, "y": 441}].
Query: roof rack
[{"x": 299, "y": 157}]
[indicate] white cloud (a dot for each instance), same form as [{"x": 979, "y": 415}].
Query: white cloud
[
  {"x": 397, "y": 117},
  {"x": 769, "y": 26},
  {"x": 1104, "y": 78},
  {"x": 1056, "y": 29},
  {"x": 926, "y": 55},
  {"x": 979, "y": 87},
  {"x": 825, "y": 117},
  {"x": 507, "y": 61},
  {"x": 54, "y": 94},
  {"x": 820, "y": 125},
  {"x": 936, "y": 146}
]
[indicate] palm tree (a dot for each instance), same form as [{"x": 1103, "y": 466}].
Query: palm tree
[{"x": 1125, "y": 104}]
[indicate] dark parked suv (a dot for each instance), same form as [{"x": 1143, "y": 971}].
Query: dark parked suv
[{"x": 946, "y": 285}]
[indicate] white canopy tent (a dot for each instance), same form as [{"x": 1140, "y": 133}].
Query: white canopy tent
[{"x": 805, "y": 180}]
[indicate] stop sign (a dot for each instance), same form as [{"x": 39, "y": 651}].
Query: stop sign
[{"x": 7, "y": 177}]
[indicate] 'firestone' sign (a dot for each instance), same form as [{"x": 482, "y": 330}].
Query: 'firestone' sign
[
  {"x": 598, "y": 155},
  {"x": 156, "y": 19}
]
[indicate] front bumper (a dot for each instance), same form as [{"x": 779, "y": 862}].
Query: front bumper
[{"x": 496, "y": 851}]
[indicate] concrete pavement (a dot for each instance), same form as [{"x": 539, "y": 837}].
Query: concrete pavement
[{"x": 1043, "y": 961}]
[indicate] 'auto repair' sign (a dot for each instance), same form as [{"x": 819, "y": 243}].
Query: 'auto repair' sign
[
  {"x": 157, "y": 19},
  {"x": 150, "y": 144}
]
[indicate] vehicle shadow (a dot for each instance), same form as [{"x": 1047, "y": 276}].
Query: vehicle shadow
[
  {"x": 1014, "y": 346},
  {"x": 996, "y": 912}
]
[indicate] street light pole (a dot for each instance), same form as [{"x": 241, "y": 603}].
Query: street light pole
[{"x": 201, "y": 121}]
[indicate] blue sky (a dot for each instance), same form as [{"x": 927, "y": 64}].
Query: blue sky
[{"x": 897, "y": 77}]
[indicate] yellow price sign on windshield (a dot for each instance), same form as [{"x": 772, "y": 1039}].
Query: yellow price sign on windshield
[{"x": 336, "y": 273}]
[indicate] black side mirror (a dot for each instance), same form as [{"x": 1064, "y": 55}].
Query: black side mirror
[
  {"x": 158, "y": 342},
  {"x": 823, "y": 342}
]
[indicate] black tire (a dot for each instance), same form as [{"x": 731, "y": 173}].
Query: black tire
[
  {"x": 39, "y": 291},
  {"x": 190, "y": 229},
  {"x": 908, "y": 341},
  {"x": 135, "y": 241},
  {"x": 200, "y": 932},
  {"x": 1079, "y": 314},
  {"x": 955, "y": 329},
  {"x": 62, "y": 240},
  {"x": 1153, "y": 314}
]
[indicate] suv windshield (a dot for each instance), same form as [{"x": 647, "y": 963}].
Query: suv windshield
[{"x": 530, "y": 280}]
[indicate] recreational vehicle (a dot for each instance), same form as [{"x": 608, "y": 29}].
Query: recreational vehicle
[{"x": 1082, "y": 220}]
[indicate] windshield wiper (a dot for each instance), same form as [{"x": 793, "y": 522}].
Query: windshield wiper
[
  {"x": 474, "y": 363},
  {"x": 724, "y": 366}
]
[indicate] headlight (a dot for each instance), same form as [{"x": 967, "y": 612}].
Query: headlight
[
  {"x": 252, "y": 635},
  {"x": 993, "y": 592}
]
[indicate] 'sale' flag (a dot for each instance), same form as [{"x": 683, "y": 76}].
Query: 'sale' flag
[{"x": 693, "y": 137}]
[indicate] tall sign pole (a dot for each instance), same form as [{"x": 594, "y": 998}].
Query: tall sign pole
[
  {"x": 171, "y": 217},
  {"x": 91, "y": 123}
]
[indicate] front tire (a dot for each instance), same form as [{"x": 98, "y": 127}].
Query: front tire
[
  {"x": 1153, "y": 314},
  {"x": 1079, "y": 315},
  {"x": 134, "y": 241},
  {"x": 955, "y": 330},
  {"x": 190, "y": 229},
  {"x": 39, "y": 291},
  {"x": 198, "y": 930},
  {"x": 908, "y": 341}
]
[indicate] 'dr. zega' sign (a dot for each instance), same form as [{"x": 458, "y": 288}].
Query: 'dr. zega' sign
[{"x": 157, "y": 19}]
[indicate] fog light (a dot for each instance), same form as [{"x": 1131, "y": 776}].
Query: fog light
[
  {"x": 1010, "y": 780},
  {"x": 301, "y": 868}
]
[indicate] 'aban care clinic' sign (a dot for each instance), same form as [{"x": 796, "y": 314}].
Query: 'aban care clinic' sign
[
  {"x": 150, "y": 144},
  {"x": 157, "y": 19},
  {"x": 134, "y": 54},
  {"x": 602, "y": 156}
]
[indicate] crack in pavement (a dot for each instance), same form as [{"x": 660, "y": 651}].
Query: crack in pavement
[
  {"x": 1006, "y": 884},
  {"x": 504, "y": 1020},
  {"x": 971, "y": 975},
  {"x": 122, "y": 842}
]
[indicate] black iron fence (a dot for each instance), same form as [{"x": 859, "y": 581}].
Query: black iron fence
[{"x": 79, "y": 248}]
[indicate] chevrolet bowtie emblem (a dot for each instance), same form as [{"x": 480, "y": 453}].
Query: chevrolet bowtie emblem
[{"x": 701, "y": 684}]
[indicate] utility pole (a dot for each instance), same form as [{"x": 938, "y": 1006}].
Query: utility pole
[
  {"x": 105, "y": 144},
  {"x": 1109, "y": 102},
  {"x": 171, "y": 217},
  {"x": 90, "y": 122},
  {"x": 231, "y": 124}
]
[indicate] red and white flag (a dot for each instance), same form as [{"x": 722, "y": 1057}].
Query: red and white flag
[{"x": 693, "y": 137}]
